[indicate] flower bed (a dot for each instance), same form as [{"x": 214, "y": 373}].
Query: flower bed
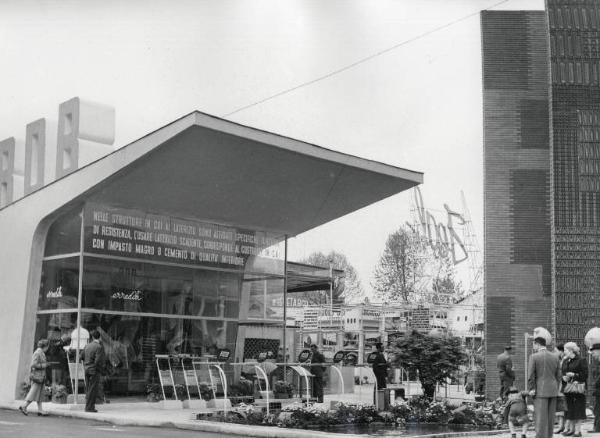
[{"x": 418, "y": 410}]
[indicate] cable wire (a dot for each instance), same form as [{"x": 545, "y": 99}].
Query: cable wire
[{"x": 361, "y": 61}]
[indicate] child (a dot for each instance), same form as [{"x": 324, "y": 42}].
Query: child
[{"x": 515, "y": 412}]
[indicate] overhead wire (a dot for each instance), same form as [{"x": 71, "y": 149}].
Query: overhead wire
[{"x": 362, "y": 60}]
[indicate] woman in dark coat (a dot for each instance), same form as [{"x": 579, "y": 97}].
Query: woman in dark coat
[{"x": 574, "y": 369}]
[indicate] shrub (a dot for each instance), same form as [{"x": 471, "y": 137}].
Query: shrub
[
  {"x": 282, "y": 387},
  {"x": 153, "y": 392}
]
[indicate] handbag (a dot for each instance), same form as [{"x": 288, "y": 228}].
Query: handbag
[
  {"x": 574, "y": 388},
  {"x": 36, "y": 378}
]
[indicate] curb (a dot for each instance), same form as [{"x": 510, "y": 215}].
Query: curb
[{"x": 232, "y": 429}]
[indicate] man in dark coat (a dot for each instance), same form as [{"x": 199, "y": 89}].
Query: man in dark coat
[
  {"x": 505, "y": 370},
  {"x": 94, "y": 361},
  {"x": 317, "y": 371},
  {"x": 544, "y": 383},
  {"x": 380, "y": 367}
]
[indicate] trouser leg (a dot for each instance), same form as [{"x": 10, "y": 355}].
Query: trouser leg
[
  {"x": 91, "y": 391},
  {"x": 551, "y": 413},
  {"x": 597, "y": 415},
  {"x": 541, "y": 417}
]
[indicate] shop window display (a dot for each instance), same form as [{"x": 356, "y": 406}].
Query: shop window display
[
  {"x": 171, "y": 294},
  {"x": 59, "y": 284}
]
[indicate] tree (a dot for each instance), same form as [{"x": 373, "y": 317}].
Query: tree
[
  {"x": 398, "y": 275},
  {"x": 410, "y": 270},
  {"x": 347, "y": 288},
  {"x": 436, "y": 358},
  {"x": 444, "y": 287}
]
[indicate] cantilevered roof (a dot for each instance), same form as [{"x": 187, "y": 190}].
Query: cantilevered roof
[
  {"x": 218, "y": 170},
  {"x": 204, "y": 167}
]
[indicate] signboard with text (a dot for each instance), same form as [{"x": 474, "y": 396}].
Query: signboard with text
[{"x": 136, "y": 234}]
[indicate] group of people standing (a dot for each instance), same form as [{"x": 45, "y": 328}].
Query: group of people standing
[
  {"x": 94, "y": 364},
  {"x": 557, "y": 385}
]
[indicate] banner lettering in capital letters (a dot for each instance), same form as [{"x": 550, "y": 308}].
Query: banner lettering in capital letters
[{"x": 131, "y": 233}]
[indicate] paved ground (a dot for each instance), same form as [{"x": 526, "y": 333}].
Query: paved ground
[
  {"x": 133, "y": 419},
  {"x": 15, "y": 425}
]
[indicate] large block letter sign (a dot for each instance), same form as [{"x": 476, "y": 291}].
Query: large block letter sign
[
  {"x": 40, "y": 142},
  {"x": 11, "y": 170},
  {"x": 86, "y": 132}
]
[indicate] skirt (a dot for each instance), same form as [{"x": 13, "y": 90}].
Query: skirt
[
  {"x": 575, "y": 407},
  {"x": 561, "y": 404},
  {"x": 35, "y": 392}
]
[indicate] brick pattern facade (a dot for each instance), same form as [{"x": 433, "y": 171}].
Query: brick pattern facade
[
  {"x": 574, "y": 28},
  {"x": 516, "y": 184}
]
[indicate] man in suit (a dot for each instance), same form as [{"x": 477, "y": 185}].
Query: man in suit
[
  {"x": 544, "y": 383},
  {"x": 505, "y": 370},
  {"x": 94, "y": 361}
]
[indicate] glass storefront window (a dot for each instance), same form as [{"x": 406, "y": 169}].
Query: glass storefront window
[
  {"x": 135, "y": 287},
  {"x": 64, "y": 234},
  {"x": 131, "y": 343},
  {"x": 59, "y": 286},
  {"x": 260, "y": 298}
]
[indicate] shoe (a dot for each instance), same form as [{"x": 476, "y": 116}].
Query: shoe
[
  {"x": 568, "y": 433},
  {"x": 23, "y": 411},
  {"x": 592, "y": 431},
  {"x": 42, "y": 414},
  {"x": 91, "y": 410},
  {"x": 523, "y": 435},
  {"x": 561, "y": 430},
  {"x": 578, "y": 434}
]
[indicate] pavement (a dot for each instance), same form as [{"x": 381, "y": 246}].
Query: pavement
[{"x": 143, "y": 414}]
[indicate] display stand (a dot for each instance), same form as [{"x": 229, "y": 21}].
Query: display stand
[
  {"x": 165, "y": 375},
  {"x": 303, "y": 372}
]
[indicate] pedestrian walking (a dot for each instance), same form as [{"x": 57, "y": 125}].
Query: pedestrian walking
[
  {"x": 544, "y": 382},
  {"x": 37, "y": 377},
  {"x": 575, "y": 373}
]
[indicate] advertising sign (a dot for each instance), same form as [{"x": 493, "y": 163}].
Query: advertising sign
[
  {"x": 311, "y": 319},
  {"x": 132, "y": 233}
]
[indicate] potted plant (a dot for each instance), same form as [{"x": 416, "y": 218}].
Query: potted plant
[
  {"x": 282, "y": 389},
  {"x": 59, "y": 394}
]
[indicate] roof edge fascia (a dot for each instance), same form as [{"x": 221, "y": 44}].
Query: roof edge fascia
[{"x": 304, "y": 148}]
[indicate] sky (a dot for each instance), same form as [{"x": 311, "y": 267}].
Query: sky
[{"x": 414, "y": 101}]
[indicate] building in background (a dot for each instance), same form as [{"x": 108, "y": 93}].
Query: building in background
[
  {"x": 574, "y": 27},
  {"x": 541, "y": 176}
]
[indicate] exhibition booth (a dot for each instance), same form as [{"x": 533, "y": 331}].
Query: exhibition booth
[{"x": 175, "y": 244}]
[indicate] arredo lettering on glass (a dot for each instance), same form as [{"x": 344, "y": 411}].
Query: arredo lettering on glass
[
  {"x": 135, "y": 295},
  {"x": 136, "y": 234},
  {"x": 55, "y": 293},
  {"x": 441, "y": 238}
]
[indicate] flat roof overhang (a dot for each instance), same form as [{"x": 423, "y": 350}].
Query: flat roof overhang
[
  {"x": 228, "y": 173},
  {"x": 211, "y": 169}
]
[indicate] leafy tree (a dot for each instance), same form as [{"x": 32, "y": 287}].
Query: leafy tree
[
  {"x": 409, "y": 270},
  {"x": 348, "y": 288},
  {"x": 435, "y": 358},
  {"x": 399, "y": 273}
]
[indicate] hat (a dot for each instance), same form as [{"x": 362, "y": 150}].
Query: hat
[
  {"x": 512, "y": 390},
  {"x": 508, "y": 347},
  {"x": 541, "y": 332},
  {"x": 592, "y": 338}
]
